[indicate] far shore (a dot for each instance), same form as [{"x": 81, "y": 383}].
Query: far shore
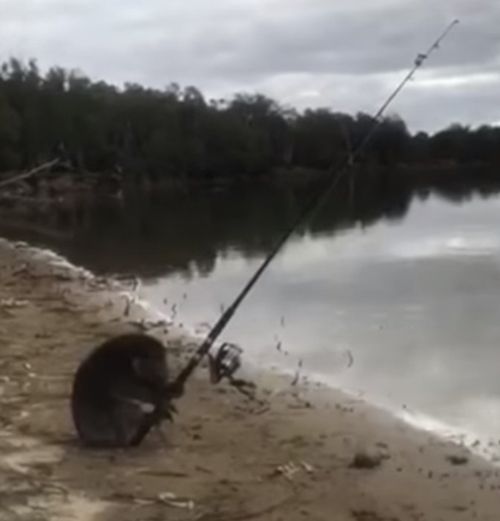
[{"x": 295, "y": 453}]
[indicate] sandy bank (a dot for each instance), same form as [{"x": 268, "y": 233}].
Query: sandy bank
[{"x": 226, "y": 458}]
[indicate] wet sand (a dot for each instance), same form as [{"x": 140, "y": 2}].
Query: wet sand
[{"x": 298, "y": 453}]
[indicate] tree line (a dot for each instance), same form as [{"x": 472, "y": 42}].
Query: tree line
[{"x": 176, "y": 133}]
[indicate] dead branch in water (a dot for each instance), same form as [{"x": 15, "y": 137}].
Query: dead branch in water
[{"x": 25, "y": 175}]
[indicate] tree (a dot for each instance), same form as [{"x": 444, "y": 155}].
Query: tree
[{"x": 174, "y": 133}]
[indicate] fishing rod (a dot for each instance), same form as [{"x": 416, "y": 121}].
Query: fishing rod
[
  {"x": 336, "y": 171},
  {"x": 139, "y": 360}
]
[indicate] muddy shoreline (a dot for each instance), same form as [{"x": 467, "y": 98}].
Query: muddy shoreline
[{"x": 299, "y": 453}]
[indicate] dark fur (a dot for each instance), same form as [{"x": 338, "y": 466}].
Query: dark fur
[{"x": 125, "y": 368}]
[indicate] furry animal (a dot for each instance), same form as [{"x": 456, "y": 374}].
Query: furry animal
[{"x": 120, "y": 391}]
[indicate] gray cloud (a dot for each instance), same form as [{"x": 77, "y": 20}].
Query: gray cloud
[{"x": 348, "y": 55}]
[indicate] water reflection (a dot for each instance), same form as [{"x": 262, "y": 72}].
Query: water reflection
[
  {"x": 406, "y": 283},
  {"x": 186, "y": 232}
]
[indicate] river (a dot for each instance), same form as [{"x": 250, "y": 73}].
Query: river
[{"x": 401, "y": 307}]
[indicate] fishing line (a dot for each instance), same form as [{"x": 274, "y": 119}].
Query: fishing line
[{"x": 313, "y": 204}]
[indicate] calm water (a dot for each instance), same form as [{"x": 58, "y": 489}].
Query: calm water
[
  {"x": 416, "y": 304},
  {"x": 401, "y": 304}
]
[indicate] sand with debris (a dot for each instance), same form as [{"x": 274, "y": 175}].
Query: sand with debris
[{"x": 295, "y": 454}]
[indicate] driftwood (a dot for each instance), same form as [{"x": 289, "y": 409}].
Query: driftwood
[{"x": 25, "y": 175}]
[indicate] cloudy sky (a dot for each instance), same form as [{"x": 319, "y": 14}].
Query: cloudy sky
[{"x": 347, "y": 55}]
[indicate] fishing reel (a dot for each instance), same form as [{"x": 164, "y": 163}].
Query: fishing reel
[{"x": 225, "y": 362}]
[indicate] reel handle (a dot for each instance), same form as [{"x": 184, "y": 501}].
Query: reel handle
[{"x": 225, "y": 363}]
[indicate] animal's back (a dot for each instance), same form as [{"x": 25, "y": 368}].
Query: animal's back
[{"x": 107, "y": 387}]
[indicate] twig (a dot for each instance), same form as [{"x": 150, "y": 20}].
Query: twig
[{"x": 243, "y": 516}]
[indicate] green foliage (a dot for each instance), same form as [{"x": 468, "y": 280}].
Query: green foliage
[{"x": 176, "y": 133}]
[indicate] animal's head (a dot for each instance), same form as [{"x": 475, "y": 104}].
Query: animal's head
[{"x": 147, "y": 357}]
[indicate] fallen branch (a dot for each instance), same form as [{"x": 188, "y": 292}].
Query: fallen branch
[{"x": 37, "y": 170}]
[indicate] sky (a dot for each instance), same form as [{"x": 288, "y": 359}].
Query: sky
[{"x": 343, "y": 55}]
